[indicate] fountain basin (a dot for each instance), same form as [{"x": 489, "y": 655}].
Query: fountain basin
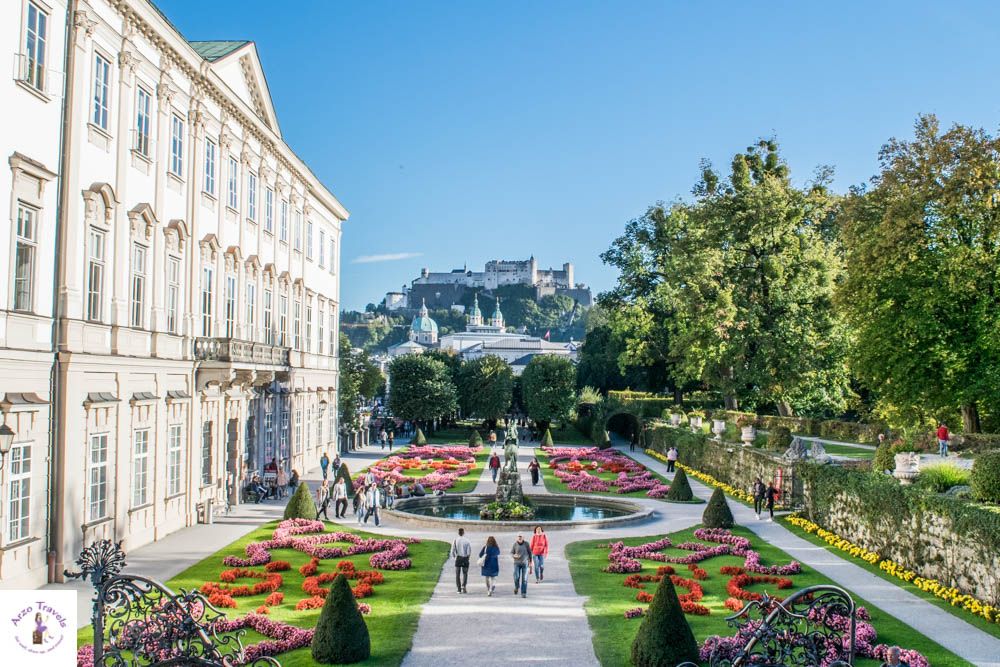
[{"x": 551, "y": 511}]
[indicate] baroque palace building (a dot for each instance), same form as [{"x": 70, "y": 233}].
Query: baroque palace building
[{"x": 169, "y": 320}]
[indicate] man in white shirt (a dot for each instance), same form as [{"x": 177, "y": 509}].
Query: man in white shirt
[
  {"x": 461, "y": 551},
  {"x": 373, "y": 501}
]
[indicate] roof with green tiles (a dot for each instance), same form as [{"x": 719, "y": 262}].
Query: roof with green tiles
[{"x": 213, "y": 50}]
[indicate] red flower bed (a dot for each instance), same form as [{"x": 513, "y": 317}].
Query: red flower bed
[
  {"x": 263, "y": 610},
  {"x": 731, "y": 570},
  {"x": 643, "y": 596},
  {"x": 271, "y": 582},
  {"x": 314, "y": 602},
  {"x": 735, "y": 586},
  {"x": 278, "y": 566},
  {"x": 364, "y": 588},
  {"x": 734, "y": 604},
  {"x": 220, "y": 599},
  {"x": 665, "y": 569},
  {"x": 310, "y": 568},
  {"x": 274, "y": 598},
  {"x": 697, "y": 572}
]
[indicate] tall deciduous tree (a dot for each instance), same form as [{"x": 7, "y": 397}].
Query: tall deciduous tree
[
  {"x": 359, "y": 378},
  {"x": 420, "y": 388},
  {"x": 485, "y": 387},
  {"x": 549, "y": 388},
  {"x": 736, "y": 288},
  {"x": 922, "y": 291}
]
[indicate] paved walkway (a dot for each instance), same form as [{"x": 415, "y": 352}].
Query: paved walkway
[{"x": 949, "y": 631}]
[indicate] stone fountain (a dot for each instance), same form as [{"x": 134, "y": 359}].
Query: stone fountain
[{"x": 509, "y": 483}]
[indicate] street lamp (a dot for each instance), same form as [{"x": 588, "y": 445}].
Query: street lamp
[{"x": 6, "y": 440}]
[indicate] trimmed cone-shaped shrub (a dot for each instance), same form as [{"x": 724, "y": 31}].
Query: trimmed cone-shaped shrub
[
  {"x": 419, "y": 438},
  {"x": 547, "y": 438},
  {"x": 301, "y": 504},
  {"x": 986, "y": 477},
  {"x": 717, "y": 514},
  {"x": 341, "y": 634},
  {"x": 345, "y": 475},
  {"x": 884, "y": 458},
  {"x": 679, "y": 488},
  {"x": 475, "y": 439},
  {"x": 664, "y": 638}
]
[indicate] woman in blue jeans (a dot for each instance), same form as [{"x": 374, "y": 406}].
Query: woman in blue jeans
[
  {"x": 490, "y": 563},
  {"x": 539, "y": 550}
]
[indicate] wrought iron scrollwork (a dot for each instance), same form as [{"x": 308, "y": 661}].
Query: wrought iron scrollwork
[
  {"x": 816, "y": 625},
  {"x": 138, "y": 621}
]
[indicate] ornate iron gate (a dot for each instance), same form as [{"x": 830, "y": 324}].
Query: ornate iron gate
[
  {"x": 815, "y": 624},
  {"x": 138, "y": 621}
]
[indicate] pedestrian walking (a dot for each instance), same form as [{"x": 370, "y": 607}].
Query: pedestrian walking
[
  {"x": 388, "y": 493},
  {"x": 461, "y": 551},
  {"x": 360, "y": 502},
  {"x": 340, "y": 499},
  {"x": 383, "y": 437},
  {"x": 534, "y": 469},
  {"x": 943, "y": 436},
  {"x": 758, "y": 491},
  {"x": 489, "y": 564},
  {"x": 771, "y": 495},
  {"x": 893, "y": 658},
  {"x": 370, "y": 477},
  {"x": 671, "y": 458},
  {"x": 281, "y": 482},
  {"x": 493, "y": 438},
  {"x": 632, "y": 441},
  {"x": 373, "y": 501},
  {"x": 392, "y": 439},
  {"x": 521, "y": 553},
  {"x": 494, "y": 465},
  {"x": 324, "y": 464},
  {"x": 323, "y": 499},
  {"x": 539, "y": 550}
]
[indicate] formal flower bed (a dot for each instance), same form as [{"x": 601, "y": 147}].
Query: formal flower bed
[
  {"x": 444, "y": 466},
  {"x": 279, "y": 598},
  {"x": 949, "y": 594},
  {"x": 594, "y": 470},
  {"x": 718, "y": 586}
]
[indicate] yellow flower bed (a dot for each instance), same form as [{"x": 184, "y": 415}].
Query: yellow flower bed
[{"x": 952, "y": 596}]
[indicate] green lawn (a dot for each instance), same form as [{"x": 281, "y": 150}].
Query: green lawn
[
  {"x": 553, "y": 485},
  {"x": 852, "y": 452},
  {"x": 396, "y": 604},
  {"x": 608, "y": 599},
  {"x": 958, "y": 612},
  {"x": 463, "y": 484}
]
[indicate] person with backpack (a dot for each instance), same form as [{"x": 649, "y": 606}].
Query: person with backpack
[
  {"x": 461, "y": 551},
  {"x": 521, "y": 553},
  {"x": 489, "y": 564},
  {"x": 758, "y": 491}
]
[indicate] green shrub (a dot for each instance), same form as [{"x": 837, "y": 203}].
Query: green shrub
[
  {"x": 664, "y": 638},
  {"x": 883, "y": 459},
  {"x": 942, "y": 476},
  {"x": 986, "y": 477},
  {"x": 779, "y": 438},
  {"x": 419, "y": 438},
  {"x": 547, "y": 438},
  {"x": 345, "y": 475},
  {"x": 475, "y": 440},
  {"x": 975, "y": 442},
  {"x": 717, "y": 514},
  {"x": 341, "y": 634},
  {"x": 301, "y": 505},
  {"x": 680, "y": 489}
]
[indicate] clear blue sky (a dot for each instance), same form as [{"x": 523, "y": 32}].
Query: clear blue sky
[{"x": 465, "y": 131}]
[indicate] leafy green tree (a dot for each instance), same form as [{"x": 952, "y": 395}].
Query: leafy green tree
[
  {"x": 549, "y": 388},
  {"x": 922, "y": 290},
  {"x": 450, "y": 359},
  {"x": 420, "y": 388},
  {"x": 736, "y": 288},
  {"x": 360, "y": 379},
  {"x": 485, "y": 388},
  {"x": 341, "y": 633}
]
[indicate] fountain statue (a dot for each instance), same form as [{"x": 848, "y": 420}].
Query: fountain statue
[{"x": 509, "y": 483}]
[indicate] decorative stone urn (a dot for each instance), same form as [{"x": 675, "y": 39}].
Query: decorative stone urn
[
  {"x": 907, "y": 467},
  {"x": 695, "y": 423},
  {"x": 747, "y": 435},
  {"x": 718, "y": 427},
  {"x": 675, "y": 419}
]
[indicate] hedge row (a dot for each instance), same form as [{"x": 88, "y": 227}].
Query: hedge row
[{"x": 830, "y": 428}]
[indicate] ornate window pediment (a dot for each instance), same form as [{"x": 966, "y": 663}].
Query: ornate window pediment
[
  {"x": 176, "y": 234},
  {"x": 142, "y": 220},
  {"x": 209, "y": 248},
  {"x": 99, "y": 205}
]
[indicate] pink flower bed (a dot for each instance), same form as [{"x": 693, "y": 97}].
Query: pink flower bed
[
  {"x": 386, "y": 554},
  {"x": 447, "y": 464},
  {"x": 573, "y": 466}
]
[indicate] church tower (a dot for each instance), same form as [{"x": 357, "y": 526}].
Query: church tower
[
  {"x": 475, "y": 315},
  {"x": 497, "y": 320}
]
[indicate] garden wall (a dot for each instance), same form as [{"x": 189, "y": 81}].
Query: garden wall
[{"x": 938, "y": 537}]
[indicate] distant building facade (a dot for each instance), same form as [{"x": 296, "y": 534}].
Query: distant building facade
[
  {"x": 481, "y": 338},
  {"x": 444, "y": 289}
]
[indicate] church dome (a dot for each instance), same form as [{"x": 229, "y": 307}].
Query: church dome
[{"x": 423, "y": 323}]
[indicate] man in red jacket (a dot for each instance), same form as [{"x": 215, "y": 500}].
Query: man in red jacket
[{"x": 942, "y": 438}]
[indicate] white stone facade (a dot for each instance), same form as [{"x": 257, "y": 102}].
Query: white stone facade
[{"x": 190, "y": 261}]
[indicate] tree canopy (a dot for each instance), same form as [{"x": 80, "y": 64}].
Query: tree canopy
[
  {"x": 548, "y": 386},
  {"x": 420, "y": 388},
  {"x": 485, "y": 387}
]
